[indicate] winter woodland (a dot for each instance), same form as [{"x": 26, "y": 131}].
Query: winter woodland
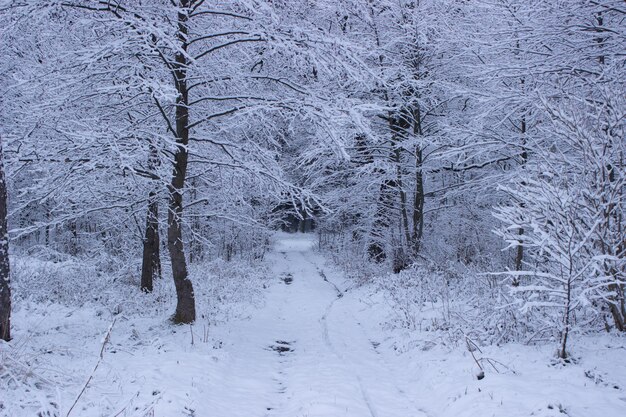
[{"x": 312, "y": 208}]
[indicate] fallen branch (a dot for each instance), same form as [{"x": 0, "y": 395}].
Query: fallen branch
[
  {"x": 82, "y": 391},
  {"x": 471, "y": 347},
  {"x": 492, "y": 362}
]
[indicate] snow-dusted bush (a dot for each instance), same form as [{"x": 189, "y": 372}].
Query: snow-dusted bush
[
  {"x": 72, "y": 281},
  {"x": 457, "y": 301},
  {"x": 567, "y": 212},
  {"x": 450, "y": 299},
  {"x": 29, "y": 390},
  {"x": 225, "y": 290}
]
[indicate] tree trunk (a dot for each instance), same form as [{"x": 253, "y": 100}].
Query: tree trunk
[
  {"x": 5, "y": 288},
  {"x": 617, "y": 307},
  {"x": 403, "y": 211},
  {"x": 566, "y": 319},
  {"x": 617, "y": 300},
  {"x": 151, "y": 265},
  {"x": 185, "y": 307},
  {"x": 303, "y": 221},
  {"x": 519, "y": 256},
  {"x": 376, "y": 248},
  {"x": 73, "y": 244},
  {"x": 418, "y": 204},
  {"x": 419, "y": 198}
]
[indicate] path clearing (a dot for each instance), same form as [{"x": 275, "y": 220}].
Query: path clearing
[
  {"x": 304, "y": 354},
  {"x": 312, "y": 350}
]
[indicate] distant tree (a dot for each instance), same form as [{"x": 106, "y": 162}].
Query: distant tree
[
  {"x": 5, "y": 276},
  {"x": 569, "y": 196},
  {"x": 157, "y": 102}
]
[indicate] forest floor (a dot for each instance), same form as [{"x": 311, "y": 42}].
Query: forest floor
[{"x": 316, "y": 347}]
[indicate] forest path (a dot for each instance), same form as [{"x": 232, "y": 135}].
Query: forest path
[{"x": 304, "y": 353}]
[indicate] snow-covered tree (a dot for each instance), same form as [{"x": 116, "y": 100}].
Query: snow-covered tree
[{"x": 569, "y": 196}]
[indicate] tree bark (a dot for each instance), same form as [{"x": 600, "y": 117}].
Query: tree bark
[
  {"x": 419, "y": 197},
  {"x": 185, "y": 307},
  {"x": 151, "y": 260},
  {"x": 151, "y": 265},
  {"x": 375, "y": 249},
  {"x": 519, "y": 256},
  {"x": 567, "y": 311},
  {"x": 617, "y": 306},
  {"x": 73, "y": 243},
  {"x": 5, "y": 278},
  {"x": 418, "y": 204}
]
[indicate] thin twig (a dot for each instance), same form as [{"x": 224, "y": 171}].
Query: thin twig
[
  {"x": 104, "y": 342},
  {"x": 471, "y": 346}
]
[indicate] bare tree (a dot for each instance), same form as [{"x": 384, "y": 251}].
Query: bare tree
[{"x": 5, "y": 279}]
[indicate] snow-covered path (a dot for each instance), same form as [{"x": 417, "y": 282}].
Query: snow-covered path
[
  {"x": 302, "y": 354},
  {"x": 302, "y": 351}
]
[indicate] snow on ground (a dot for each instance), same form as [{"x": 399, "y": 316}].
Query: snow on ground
[
  {"x": 314, "y": 346},
  {"x": 440, "y": 374}
]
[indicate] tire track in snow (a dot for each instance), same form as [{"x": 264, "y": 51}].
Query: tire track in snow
[
  {"x": 326, "y": 335},
  {"x": 334, "y": 370},
  {"x": 282, "y": 348},
  {"x": 386, "y": 364},
  {"x": 324, "y": 321}
]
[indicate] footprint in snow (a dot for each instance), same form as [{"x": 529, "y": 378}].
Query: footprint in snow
[
  {"x": 281, "y": 347},
  {"x": 287, "y": 278}
]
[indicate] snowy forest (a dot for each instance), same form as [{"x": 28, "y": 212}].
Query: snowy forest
[{"x": 312, "y": 208}]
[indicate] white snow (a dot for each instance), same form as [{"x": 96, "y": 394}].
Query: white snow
[{"x": 315, "y": 348}]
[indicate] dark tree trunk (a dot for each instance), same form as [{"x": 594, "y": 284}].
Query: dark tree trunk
[
  {"x": 5, "y": 279},
  {"x": 401, "y": 261},
  {"x": 566, "y": 314},
  {"x": 404, "y": 217},
  {"x": 151, "y": 260},
  {"x": 617, "y": 306},
  {"x": 519, "y": 256},
  {"x": 73, "y": 246},
  {"x": 398, "y": 123},
  {"x": 399, "y": 126},
  {"x": 418, "y": 204},
  {"x": 617, "y": 300},
  {"x": 376, "y": 248},
  {"x": 303, "y": 221},
  {"x": 195, "y": 249},
  {"x": 151, "y": 265},
  {"x": 186, "y": 306},
  {"x": 47, "y": 232},
  {"x": 419, "y": 197}
]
